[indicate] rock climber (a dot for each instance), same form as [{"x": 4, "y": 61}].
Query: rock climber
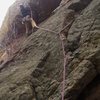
[{"x": 28, "y": 14}]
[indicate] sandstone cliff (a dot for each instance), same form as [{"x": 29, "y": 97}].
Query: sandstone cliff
[{"x": 35, "y": 71}]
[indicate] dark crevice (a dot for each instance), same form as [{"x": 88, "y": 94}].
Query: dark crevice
[
  {"x": 91, "y": 91},
  {"x": 35, "y": 93},
  {"x": 39, "y": 68},
  {"x": 79, "y": 6},
  {"x": 35, "y": 83}
]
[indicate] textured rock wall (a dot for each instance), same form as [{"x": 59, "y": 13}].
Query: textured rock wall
[
  {"x": 35, "y": 72},
  {"x": 12, "y": 25}
]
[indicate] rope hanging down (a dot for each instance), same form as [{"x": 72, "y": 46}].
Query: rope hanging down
[
  {"x": 65, "y": 60},
  {"x": 66, "y": 57}
]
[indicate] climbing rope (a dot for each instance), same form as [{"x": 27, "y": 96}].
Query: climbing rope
[
  {"x": 65, "y": 60},
  {"x": 64, "y": 67}
]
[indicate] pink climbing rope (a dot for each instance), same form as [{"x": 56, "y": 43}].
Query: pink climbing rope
[
  {"x": 65, "y": 62},
  {"x": 64, "y": 67}
]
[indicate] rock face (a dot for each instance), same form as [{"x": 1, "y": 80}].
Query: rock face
[
  {"x": 13, "y": 20},
  {"x": 79, "y": 5},
  {"x": 35, "y": 72}
]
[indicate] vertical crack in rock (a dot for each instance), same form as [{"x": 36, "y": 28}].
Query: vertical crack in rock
[
  {"x": 36, "y": 85},
  {"x": 39, "y": 68}
]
